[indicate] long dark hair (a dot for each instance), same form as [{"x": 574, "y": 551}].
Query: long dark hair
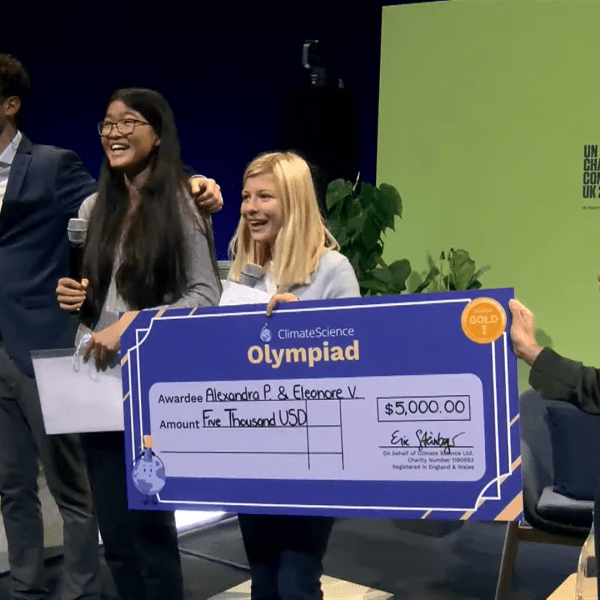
[{"x": 152, "y": 261}]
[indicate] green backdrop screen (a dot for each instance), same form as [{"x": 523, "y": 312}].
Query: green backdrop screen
[{"x": 489, "y": 127}]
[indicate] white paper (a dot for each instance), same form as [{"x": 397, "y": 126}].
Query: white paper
[
  {"x": 76, "y": 401},
  {"x": 369, "y": 428},
  {"x": 234, "y": 293}
]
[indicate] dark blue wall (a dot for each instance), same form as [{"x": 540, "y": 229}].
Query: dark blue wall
[{"x": 227, "y": 72}]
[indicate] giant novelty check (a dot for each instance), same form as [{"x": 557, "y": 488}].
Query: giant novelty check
[{"x": 397, "y": 406}]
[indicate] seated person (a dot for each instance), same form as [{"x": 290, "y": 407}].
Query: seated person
[{"x": 556, "y": 378}]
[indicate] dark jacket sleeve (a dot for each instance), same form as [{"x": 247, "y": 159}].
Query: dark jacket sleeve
[
  {"x": 73, "y": 183},
  {"x": 558, "y": 378}
]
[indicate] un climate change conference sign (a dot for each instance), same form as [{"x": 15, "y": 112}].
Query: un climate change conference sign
[{"x": 398, "y": 406}]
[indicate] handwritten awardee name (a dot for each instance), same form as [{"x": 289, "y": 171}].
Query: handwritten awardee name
[{"x": 276, "y": 356}]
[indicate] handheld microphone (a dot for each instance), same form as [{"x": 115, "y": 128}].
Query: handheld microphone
[
  {"x": 251, "y": 274},
  {"x": 76, "y": 232}
]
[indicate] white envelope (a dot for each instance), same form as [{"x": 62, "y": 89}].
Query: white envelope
[
  {"x": 75, "y": 396},
  {"x": 235, "y": 293}
]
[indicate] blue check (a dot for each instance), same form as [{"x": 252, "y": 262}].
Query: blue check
[{"x": 397, "y": 406}]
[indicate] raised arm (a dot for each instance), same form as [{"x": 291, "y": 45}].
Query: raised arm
[{"x": 555, "y": 377}]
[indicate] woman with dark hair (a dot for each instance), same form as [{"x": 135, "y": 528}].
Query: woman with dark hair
[{"x": 147, "y": 246}]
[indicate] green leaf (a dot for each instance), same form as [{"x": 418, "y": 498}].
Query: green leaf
[
  {"x": 462, "y": 269},
  {"x": 352, "y": 209},
  {"x": 384, "y": 275},
  {"x": 383, "y": 207},
  {"x": 379, "y": 291},
  {"x": 390, "y": 280},
  {"x": 384, "y": 219},
  {"x": 400, "y": 270},
  {"x": 367, "y": 195},
  {"x": 368, "y": 262},
  {"x": 393, "y": 196},
  {"x": 477, "y": 275},
  {"x": 431, "y": 275},
  {"x": 430, "y": 262},
  {"x": 335, "y": 228},
  {"x": 371, "y": 234},
  {"x": 335, "y": 213},
  {"x": 391, "y": 200},
  {"x": 355, "y": 225},
  {"x": 337, "y": 190},
  {"x": 435, "y": 286},
  {"x": 354, "y": 261},
  {"x": 382, "y": 262},
  {"x": 376, "y": 287}
]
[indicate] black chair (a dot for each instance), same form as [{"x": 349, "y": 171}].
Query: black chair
[{"x": 550, "y": 517}]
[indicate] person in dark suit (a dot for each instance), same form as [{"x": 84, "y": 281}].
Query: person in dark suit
[{"x": 41, "y": 187}]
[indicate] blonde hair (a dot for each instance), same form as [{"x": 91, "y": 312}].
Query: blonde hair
[{"x": 303, "y": 237}]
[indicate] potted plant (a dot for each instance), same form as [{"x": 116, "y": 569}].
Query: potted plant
[{"x": 358, "y": 217}]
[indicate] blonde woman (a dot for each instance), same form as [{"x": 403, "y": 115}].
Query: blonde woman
[{"x": 281, "y": 230}]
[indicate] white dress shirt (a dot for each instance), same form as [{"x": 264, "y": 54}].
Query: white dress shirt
[{"x": 6, "y": 160}]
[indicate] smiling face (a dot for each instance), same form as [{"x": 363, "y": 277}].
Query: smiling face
[
  {"x": 261, "y": 209},
  {"x": 129, "y": 153}
]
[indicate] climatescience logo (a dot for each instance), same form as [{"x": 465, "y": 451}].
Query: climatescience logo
[
  {"x": 265, "y": 334},
  {"x": 310, "y": 355}
]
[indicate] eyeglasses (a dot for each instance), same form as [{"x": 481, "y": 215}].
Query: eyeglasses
[{"x": 124, "y": 127}]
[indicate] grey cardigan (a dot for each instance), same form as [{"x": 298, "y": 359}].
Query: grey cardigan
[{"x": 203, "y": 285}]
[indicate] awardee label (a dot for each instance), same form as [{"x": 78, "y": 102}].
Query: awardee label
[{"x": 365, "y": 407}]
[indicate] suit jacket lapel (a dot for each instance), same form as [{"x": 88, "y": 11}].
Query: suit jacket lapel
[{"x": 18, "y": 171}]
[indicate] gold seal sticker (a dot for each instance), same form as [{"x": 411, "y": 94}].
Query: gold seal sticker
[{"x": 483, "y": 320}]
